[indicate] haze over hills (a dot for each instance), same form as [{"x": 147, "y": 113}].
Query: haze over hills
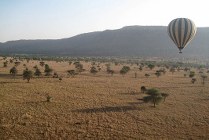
[{"x": 127, "y": 41}]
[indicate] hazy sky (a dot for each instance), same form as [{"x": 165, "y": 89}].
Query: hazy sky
[{"x": 53, "y": 19}]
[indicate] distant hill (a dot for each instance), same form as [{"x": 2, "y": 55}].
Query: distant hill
[{"x": 127, "y": 41}]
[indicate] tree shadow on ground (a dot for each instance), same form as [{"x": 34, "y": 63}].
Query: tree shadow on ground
[
  {"x": 9, "y": 76},
  {"x": 107, "y": 109},
  {"x": 8, "y": 82},
  {"x": 168, "y": 87},
  {"x": 136, "y": 103},
  {"x": 131, "y": 93}
]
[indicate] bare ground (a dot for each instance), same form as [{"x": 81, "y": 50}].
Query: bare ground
[{"x": 101, "y": 106}]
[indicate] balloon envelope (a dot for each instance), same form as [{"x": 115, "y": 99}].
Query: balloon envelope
[{"x": 181, "y": 32}]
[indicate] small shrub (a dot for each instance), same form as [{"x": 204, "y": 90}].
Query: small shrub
[
  {"x": 143, "y": 89},
  {"x": 5, "y": 64},
  {"x": 147, "y": 75},
  {"x": 93, "y": 70},
  {"x": 193, "y": 80},
  {"x": 124, "y": 70},
  {"x": 48, "y": 98},
  {"x": 191, "y": 74}
]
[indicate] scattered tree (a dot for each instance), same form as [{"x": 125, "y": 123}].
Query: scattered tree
[
  {"x": 13, "y": 71},
  {"x": 154, "y": 96},
  {"x": 37, "y": 72},
  {"x": 151, "y": 66},
  {"x": 27, "y": 74},
  {"x": 47, "y": 70},
  {"x": 143, "y": 89},
  {"x": 5, "y": 63}
]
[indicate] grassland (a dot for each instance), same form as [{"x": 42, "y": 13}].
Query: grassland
[{"x": 101, "y": 106}]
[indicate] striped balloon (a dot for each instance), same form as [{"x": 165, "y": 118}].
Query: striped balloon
[{"x": 181, "y": 31}]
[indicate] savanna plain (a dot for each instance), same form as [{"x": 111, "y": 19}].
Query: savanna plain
[{"x": 99, "y": 105}]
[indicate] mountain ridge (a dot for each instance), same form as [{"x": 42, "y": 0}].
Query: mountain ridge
[{"x": 126, "y": 41}]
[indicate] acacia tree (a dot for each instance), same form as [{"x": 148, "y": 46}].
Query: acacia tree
[
  {"x": 47, "y": 70},
  {"x": 151, "y": 66},
  {"x": 13, "y": 71},
  {"x": 27, "y": 74},
  {"x": 37, "y": 72},
  {"x": 154, "y": 96}
]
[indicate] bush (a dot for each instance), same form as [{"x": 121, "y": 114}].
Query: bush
[
  {"x": 124, "y": 70},
  {"x": 93, "y": 70},
  {"x": 151, "y": 66},
  {"x": 191, "y": 74},
  {"x": 158, "y": 73},
  {"x": 71, "y": 73},
  {"x": 109, "y": 71},
  {"x": 5, "y": 63},
  {"x": 147, "y": 75},
  {"x": 193, "y": 80}
]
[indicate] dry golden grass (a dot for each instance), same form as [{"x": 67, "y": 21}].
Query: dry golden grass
[{"x": 101, "y": 106}]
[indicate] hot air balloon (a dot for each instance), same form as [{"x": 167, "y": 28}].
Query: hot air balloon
[{"x": 181, "y": 32}]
